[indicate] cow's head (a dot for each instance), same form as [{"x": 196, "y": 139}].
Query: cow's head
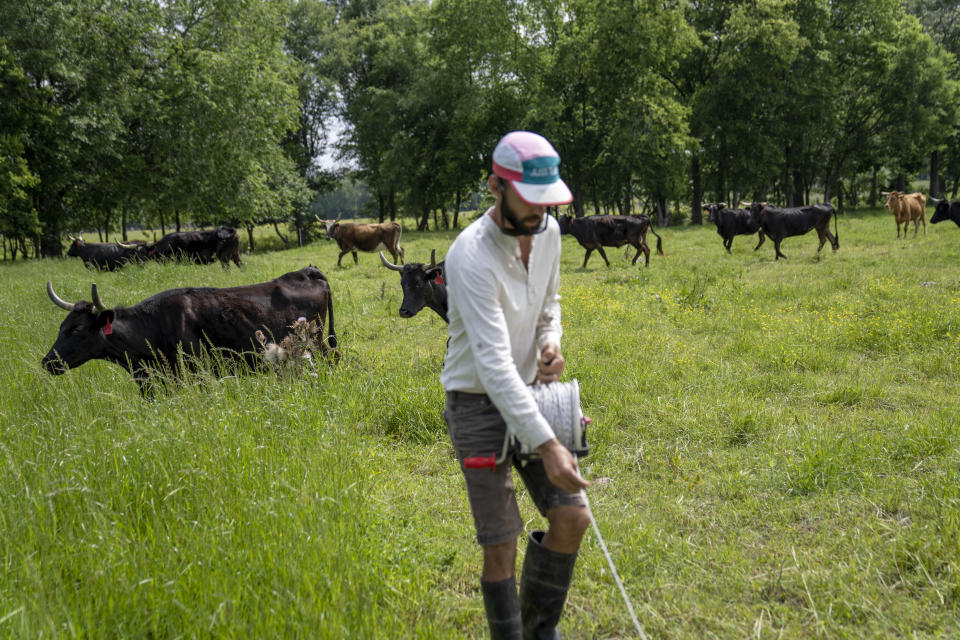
[
  {"x": 893, "y": 198},
  {"x": 565, "y": 222},
  {"x": 332, "y": 226},
  {"x": 755, "y": 208},
  {"x": 712, "y": 208},
  {"x": 941, "y": 210},
  {"x": 416, "y": 281},
  {"x": 139, "y": 248},
  {"x": 75, "y": 246},
  {"x": 83, "y": 333}
]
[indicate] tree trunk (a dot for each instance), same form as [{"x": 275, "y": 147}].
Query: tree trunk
[
  {"x": 177, "y": 215},
  {"x": 874, "y": 188},
  {"x": 381, "y": 206},
  {"x": 785, "y": 180},
  {"x": 935, "y": 174},
  {"x": 13, "y": 250},
  {"x": 424, "y": 219},
  {"x": 249, "y": 226},
  {"x": 901, "y": 183},
  {"x": 436, "y": 225},
  {"x": 163, "y": 227},
  {"x": 393, "y": 206},
  {"x": 276, "y": 228},
  {"x": 696, "y": 207},
  {"x": 123, "y": 220},
  {"x": 722, "y": 170},
  {"x": 301, "y": 228},
  {"x": 663, "y": 211},
  {"x": 577, "y": 201},
  {"x": 443, "y": 216},
  {"x": 798, "y": 189},
  {"x": 456, "y": 211}
]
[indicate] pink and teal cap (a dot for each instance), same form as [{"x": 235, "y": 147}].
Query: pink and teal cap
[{"x": 531, "y": 164}]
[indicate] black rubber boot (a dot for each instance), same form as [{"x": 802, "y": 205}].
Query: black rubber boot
[
  {"x": 543, "y": 589},
  {"x": 503, "y": 608}
]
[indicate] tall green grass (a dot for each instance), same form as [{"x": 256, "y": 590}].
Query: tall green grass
[{"x": 774, "y": 454}]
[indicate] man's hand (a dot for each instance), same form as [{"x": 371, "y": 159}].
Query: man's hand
[
  {"x": 550, "y": 364},
  {"x": 561, "y": 466}
]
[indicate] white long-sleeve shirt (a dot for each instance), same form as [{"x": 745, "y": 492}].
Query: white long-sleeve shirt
[{"x": 501, "y": 315}]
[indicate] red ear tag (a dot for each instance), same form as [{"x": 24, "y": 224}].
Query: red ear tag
[
  {"x": 438, "y": 279},
  {"x": 107, "y": 328}
]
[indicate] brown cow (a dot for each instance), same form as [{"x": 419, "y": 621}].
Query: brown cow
[
  {"x": 907, "y": 208},
  {"x": 354, "y": 236}
]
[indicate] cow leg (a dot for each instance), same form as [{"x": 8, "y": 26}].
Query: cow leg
[
  {"x": 776, "y": 248},
  {"x": 603, "y": 255},
  {"x": 646, "y": 254},
  {"x": 762, "y": 238},
  {"x": 342, "y": 253},
  {"x": 834, "y": 242},
  {"x": 727, "y": 243},
  {"x": 355, "y": 259},
  {"x": 586, "y": 257},
  {"x": 823, "y": 240}
]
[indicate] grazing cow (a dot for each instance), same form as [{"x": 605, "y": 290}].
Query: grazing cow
[
  {"x": 780, "y": 223},
  {"x": 597, "y": 232},
  {"x": 423, "y": 286},
  {"x": 107, "y": 255},
  {"x": 202, "y": 247},
  {"x": 354, "y": 236},
  {"x": 150, "y": 334},
  {"x": 945, "y": 210},
  {"x": 733, "y": 222},
  {"x": 907, "y": 208}
]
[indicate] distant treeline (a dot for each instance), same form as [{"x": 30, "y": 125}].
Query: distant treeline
[{"x": 219, "y": 112}]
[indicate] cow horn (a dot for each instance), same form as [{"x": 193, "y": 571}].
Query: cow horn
[
  {"x": 98, "y": 305},
  {"x": 388, "y": 264},
  {"x": 57, "y": 300},
  {"x": 433, "y": 258},
  {"x": 935, "y": 200},
  {"x": 127, "y": 245}
]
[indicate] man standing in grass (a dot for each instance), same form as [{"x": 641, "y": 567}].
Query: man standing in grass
[{"x": 502, "y": 273}]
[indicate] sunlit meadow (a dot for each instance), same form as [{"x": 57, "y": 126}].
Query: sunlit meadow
[{"x": 774, "y": 454}]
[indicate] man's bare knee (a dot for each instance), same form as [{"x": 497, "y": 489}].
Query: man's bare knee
[
  {"x": 499, "y": 561},
  {"x": 567, "y": 526}
]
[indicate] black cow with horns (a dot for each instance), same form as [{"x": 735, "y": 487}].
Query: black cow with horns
[
  {"x": 423, "y": 285},
  {"x": 107, "y": 255},
  {"x": 201, "y": 247},
  {"x": 733, "y": 222},
  {"x": 781, "y": 223},
  {"x": 150, "y": 334},
  {"x": 945, "y": 210},
  {"x": 596, "y": 232}
]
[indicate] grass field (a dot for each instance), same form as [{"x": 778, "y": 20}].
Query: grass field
[{"x": 774, "y": 455}]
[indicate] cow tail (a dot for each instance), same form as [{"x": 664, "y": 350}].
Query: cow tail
[
  {"x": 836, "y": 231},
  {"x": 659, "y": 242},
  {"x": 332, "y": 337}
]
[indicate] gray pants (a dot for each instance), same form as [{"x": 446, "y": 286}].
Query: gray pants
[{"x": 477, "y": 429}]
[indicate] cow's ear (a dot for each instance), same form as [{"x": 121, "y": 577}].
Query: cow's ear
[{"x": 105, "y": 321}]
